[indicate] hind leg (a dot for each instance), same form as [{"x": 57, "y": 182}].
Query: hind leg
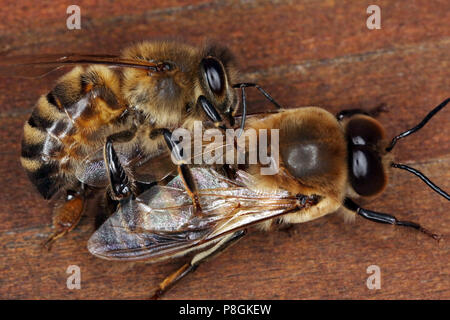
[
  {"x": 198, "y": 259},
  {"x": 66, "y": 216}
]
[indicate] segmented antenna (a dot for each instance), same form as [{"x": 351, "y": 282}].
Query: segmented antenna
[
  {"x": 411, "y": 131},
  {"x": 419, "y": 126},
  {"x": 423, "y": 178}
]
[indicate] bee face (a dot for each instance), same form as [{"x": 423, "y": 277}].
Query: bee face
[
  {"x": 172, "y": 96},
  {"x": 365, "y": 137}
]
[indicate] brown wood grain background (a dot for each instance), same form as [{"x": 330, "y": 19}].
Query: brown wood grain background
[{"x": 309, "y": 52}]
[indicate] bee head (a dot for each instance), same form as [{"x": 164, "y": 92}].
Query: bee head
[
  {"x": 216, "y": 73},
  {"x": 368, "y": 152}
]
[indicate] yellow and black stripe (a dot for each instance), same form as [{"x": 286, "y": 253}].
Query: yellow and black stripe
[{"x": 67, "y": 123}]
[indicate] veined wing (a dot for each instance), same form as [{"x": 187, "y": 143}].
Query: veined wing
[
  {"x": 161, "y": 222},
  {"x": 143, "y": 168}
]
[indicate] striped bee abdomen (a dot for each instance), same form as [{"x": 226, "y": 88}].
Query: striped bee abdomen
[{"x": 68, "y": 123}]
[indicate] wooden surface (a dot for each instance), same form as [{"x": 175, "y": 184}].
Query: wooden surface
[{"x": 309, "y": 52}]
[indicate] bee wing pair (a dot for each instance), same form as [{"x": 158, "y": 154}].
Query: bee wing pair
[
  {"x": 38, "y": 66},
  {"x": 162, "y": 223}
]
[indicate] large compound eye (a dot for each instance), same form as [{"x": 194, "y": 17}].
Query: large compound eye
[
  {"x": 366, "y": 171},
  {"x": 214, "y": 74},
  {"x": 367, "y": 175},
  {"x": 363, "y": 130}
]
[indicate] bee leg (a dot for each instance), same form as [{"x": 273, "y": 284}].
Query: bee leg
[
  {"x": 212, "y": 113},
  {"x": 264, "y": 92},
  {"x": 123, "y": 136},
  {"x": 191, "y": 266},
  {"x": 183, "y": 169},
  {"x": 108, "y": 207},
  {"x": 120, "y": 183},
  {"x": 387, "y": 218},
  {"x": 242, "y": 86},
  {"x": 116, "y": 172},
  {"x": 191, "y": 188},
  {"x": 215, "y": 117},
  {"x": 66, "y": 217},
  {"x": 374, "y": 112}
]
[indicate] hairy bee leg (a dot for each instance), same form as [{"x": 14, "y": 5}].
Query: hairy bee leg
[
  {"x": 123, "y": 136},
  {"x": 374, "y": 112},
  {"x": 211, "y": 112},
  {"x": 121, "y": 184},
  {"x": 215, "y": 117},
  {"x": 108, "y": 207},
  {"x": 199, "y": 258},
  {"x": 190, "y": 186},
  {"x": 387, "y": 218},
  {"x": 183, "y": 169},
  {"x": 118, "y": 137},
  {"x": 66, "y": 217},
  {"x": 264, "y": 92}
]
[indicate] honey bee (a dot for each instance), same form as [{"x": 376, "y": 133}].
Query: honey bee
[
  {"x": 326, "y": 163},
  {"x": 133, "y": 101}
]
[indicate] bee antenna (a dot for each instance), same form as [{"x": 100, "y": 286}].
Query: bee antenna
[
  {"x": 423, "y": 178},
  {"x": 419, "y": 126}
]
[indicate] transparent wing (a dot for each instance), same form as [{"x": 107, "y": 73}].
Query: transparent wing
[
  {"x": 37, "y": 66},
  {"x": 161, "y": 222},
  {"x": 143, "y": 168}
]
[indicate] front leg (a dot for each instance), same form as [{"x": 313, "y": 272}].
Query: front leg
[
  {"x": 387, "y": 218},
  {"x": 121, "y": 184},
  {"x": 183, "y": 169},
  {"x": 214, "y": 115},
  {"x": 115, "y": 170}
]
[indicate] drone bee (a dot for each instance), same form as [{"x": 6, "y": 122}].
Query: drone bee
[
  {"x": 325, "y": 162},
  {"x": 159, "y": 86}
]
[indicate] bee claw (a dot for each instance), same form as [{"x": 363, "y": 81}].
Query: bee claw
[
  {"x": 437, "y": 237},
  {"x": 156, "y": 295},
  {"x": 48, "y": 243}
]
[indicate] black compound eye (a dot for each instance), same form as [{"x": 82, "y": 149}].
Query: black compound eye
[
  {"x": 362, "y": 130},
  {"x": 215, "y": 75},
  {"x": 367, "y": 175}
]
